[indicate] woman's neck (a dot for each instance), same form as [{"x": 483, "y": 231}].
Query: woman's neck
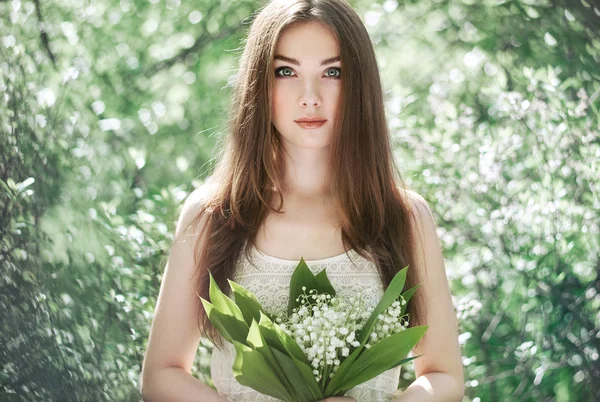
[{"x": 306, "y": 173}]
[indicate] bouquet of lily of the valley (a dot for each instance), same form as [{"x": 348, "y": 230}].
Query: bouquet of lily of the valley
[{"x": 324, "y": 346}]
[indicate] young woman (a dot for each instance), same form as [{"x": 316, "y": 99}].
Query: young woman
[{"x": 306, "y": 171}]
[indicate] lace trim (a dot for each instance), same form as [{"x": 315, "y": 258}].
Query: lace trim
[{"x": 277, "y": 260}]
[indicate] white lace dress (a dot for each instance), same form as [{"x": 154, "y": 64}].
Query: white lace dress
[{"x": 268, "y": 278}]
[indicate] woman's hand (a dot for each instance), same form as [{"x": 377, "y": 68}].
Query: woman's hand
[{"x": 338, "y": 399}]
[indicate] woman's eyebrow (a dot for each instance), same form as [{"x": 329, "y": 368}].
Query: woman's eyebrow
[{"x": 296, "y": 62}]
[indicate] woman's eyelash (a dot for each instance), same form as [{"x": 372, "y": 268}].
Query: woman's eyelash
[{"x": 278, "y": 70}]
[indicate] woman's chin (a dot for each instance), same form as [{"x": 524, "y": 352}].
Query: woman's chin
[
  {"x": 312, "y": 145},
  {"x": 314, "y": 142}
]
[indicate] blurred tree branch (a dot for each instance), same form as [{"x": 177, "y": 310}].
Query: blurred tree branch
[
  {"x": 200, "y": 42},
  {"x": 43, "y": 35}
]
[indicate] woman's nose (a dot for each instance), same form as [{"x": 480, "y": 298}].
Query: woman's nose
[{"x": 310, "y": 96}]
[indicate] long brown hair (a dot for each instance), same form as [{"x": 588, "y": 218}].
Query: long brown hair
[{"x": 371, "y": 201}]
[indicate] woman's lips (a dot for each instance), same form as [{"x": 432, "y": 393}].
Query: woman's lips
[{"x": 309, "y": 125}]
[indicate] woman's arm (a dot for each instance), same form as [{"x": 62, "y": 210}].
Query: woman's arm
[
  {"x": 439, "y": 370},
  {"x": 433, "y": 386},
  {"x": 174, "y": 335},
  {"x": 176, "y": 384}
]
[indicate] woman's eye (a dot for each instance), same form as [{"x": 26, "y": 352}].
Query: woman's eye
[
  {"x": 284, "y": 72},
  {"x": 334, "y": 72}
]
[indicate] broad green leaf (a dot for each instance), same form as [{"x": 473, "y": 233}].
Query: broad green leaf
[
  {"x": 342, "y": 371},
  {"x": 229, "y": 327},
  {"x": 251, "y": 369},
  {"x": 324, "y": 284},
  {"x": 384, "y": 355},
  {"x": 246, "y": 301},
  {"x": 391, "y": 293},
  {"x": 11, "y": 184},
  {"x": 309, "y": 377},
  {"x": 302, "y": 276},
  {"x": 407, "y": 296},
  {"x": 343, "y": 391},
  {"x": 303, "y": 390},
  {"x": 279, "y": 339},
  {"x": 6, "y": 187},
  {"x": 221, "y": 302},
  {"x": 24, "y": 184},
  {"x": 257, "y": 342}
]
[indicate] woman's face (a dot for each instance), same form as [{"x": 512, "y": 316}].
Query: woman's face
[{"x": 307, "y": 85}]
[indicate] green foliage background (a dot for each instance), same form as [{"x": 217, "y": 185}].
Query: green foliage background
[{"x": 109, "y": 115}]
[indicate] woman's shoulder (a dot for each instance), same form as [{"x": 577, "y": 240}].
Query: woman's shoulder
[
  {"x": 194, "y": 205},
  {"x": 201, "y": 195},
  {"x": 421, "y": 214},
  {"x": 417, "y": 203}
]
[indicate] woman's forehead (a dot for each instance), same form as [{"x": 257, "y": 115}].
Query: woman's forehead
[{"x": 309, "y": 42}]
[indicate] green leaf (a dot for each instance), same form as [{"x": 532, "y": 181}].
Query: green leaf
[
  {"x": 407, "y": 296},
  {"x": 391, "y": 293},
  {"x": 324, "y": 283},
  {"x": 256, "y": 340},
  {"x": 11, "y": 184},
  {"x": 286, "y": 371},
  {"x": 340, "y": 374},
  {"x": 302, "y": 276},
  {"x": 24, "y": 184},
  {"x": 305, "y": 391},
  {"x": 251, "y": 369},
  {"x": 228, "y": 326},
  {"x": 221, "y": 302},
  {"x": 279, "y": 339},
  {"x": 6, "y": 187},
  {"x": 384, "y": 355},
  {"x": 247, "y": 302},
  {"x": 309, "y": 378}
]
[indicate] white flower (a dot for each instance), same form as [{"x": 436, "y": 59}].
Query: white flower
[{"x": 325, "y": 327}]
